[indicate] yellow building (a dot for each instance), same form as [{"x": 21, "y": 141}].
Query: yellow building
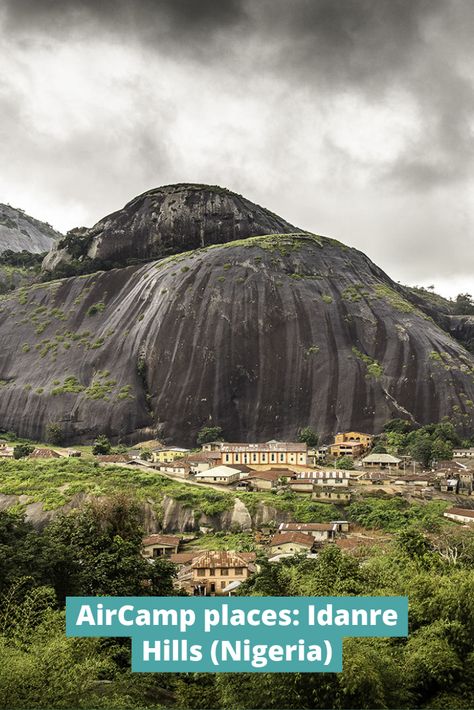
[
  {"x": 364, "y": 439},
  {"x": 166, "y": 455},
  {"x": 269, "y": 453},
  {"x": 211, "y": 572},
  {"x": 351, "y": 443}
]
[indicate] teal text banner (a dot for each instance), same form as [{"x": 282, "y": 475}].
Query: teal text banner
[{"x": 237, "y": 634}]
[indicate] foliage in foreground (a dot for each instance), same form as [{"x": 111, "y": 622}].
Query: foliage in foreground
[{"x": 96, "y": 551}]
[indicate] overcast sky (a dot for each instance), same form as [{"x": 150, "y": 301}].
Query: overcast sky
[{"x": 351, "y": 118}]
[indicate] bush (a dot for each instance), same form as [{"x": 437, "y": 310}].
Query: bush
[
  {"x": 20, "y": 451},
  {"x": 209, "y": 433},
  {"x": 54, "y": 433},
  {"x": 102, "y": 446}
]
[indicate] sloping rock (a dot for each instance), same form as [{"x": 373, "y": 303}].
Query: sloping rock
[{"x": 261, "y": 336}]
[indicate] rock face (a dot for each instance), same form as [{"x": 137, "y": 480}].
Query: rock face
[
  {"x": 20, "y": 232},
  {"x": 168, "y": 220},
  {"x": 260, "y": 336},
  {"x": 175, "y": 516}
]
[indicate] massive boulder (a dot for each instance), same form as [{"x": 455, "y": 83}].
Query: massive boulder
[
  {"x": 20, "y": 232},
  {"x": 168, "y": 220},
  {"x": 261, "y": 336}
]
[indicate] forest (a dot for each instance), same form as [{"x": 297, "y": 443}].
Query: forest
[{"x": 95, "y": 550}]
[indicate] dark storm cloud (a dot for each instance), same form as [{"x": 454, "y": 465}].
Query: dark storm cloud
[
  {"x": 323, "y": 46},
  {"x": 147, "y": 17},
  {"x": 353, "y": 117}
]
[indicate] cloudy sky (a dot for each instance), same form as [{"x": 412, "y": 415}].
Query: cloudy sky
[{"x": 351, "y": 118}]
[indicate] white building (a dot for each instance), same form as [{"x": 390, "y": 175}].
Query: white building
[
  {"x": 224, "y": 475},
  {"x": 463, "y": 453},
  {"x": 460, "y": 515}
]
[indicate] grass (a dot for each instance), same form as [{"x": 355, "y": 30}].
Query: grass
[
  {"x": 56, "y": 481},
  {"x": 374, "y": 368},
  {"x": 393, "y": 298}
]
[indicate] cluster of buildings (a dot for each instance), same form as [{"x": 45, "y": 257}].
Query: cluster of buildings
[
  {"x": 221, "y": 572},
  {"x": 278, "y": 465}
]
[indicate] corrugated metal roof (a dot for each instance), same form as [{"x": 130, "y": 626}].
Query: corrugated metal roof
[{"x": 223, "y": 558}]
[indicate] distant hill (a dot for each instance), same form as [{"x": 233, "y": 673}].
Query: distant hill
[{"x": 20, "y": 232}]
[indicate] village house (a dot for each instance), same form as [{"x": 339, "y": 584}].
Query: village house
[
  {"x": 268, "y": 480},
  {"x": 463, "y": 453},
  {"x": 466, "y": 482},
  {"x": 213, "y": 446},
  {"x": 321, "y": 453},
  {"x": 291, "y": 543},
  {"x": 157, "y": 545},
  {"x": 448, "y": 485},
  {"x": 6, "y": 450},
  {"x": 330, "y": 477},
  {"x": 211, "y": 573},
  {"x": 165, "y": 455},
  {"x": 414, "y": 479},
  {"x": 374, "y": 478},
  {"x": 331, "y": 494},
  {"x": 113, "y": 458},
  {"x": 44, "y": 454},
  {"x": 179, "y": 468},
  {"x": 355, "y": 436},
  {"x": 320, "y": 531},
  {"x": 269, "y": 453},
  {"x": 203, "y": 460},
  {"x": 381, "y": 461},
  {"x": 351, "y": 443},
  {"x": 460, "y": 515},
  {"x": 347, "y": 448},
  {"x": 297, "y": 485},
  {"x": 224, "y": 475}
]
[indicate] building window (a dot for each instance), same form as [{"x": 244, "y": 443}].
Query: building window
[
  {"x": 223, "y": 585},
  {"x": 254, "y": 457},
  {"x": 282, "y": 458},
  {"x": 224, "y": 572},
  {"x": 236, "y": 458},
  {"x": 201, "y": 572},
  {"x": 272, "y": 457},
  {"x": 238, "y": 571}
]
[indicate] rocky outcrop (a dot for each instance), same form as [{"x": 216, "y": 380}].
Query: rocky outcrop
[
  {"x": 169, "y": 515},
  {"x": 168, "y": 220},
  {"x": 260, "y": 336},
  {"x": 20, "y": 232}
]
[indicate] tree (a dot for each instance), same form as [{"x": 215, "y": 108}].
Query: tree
[
  {"x": 442, "y": 450},
  {"x": 422, "y": 450},
  {"x": 464, "y": 305},
  {"x": 20, "y": 451},
  {"x": 399, "y": 426},
  {"x": 209, "y": 433},
  {"x": 145, "y": 455},
  {"x": 345, "y": 463},
  {"x": 308, "y": 436},
  {"x": 54, "y": 433},
  {"x": 102, "y": 446},
  {"x": 99, "y": 553}
]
